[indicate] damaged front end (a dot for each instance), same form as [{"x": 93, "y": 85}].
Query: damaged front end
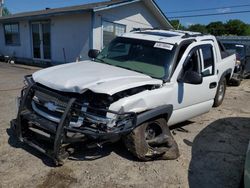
[{"x": 51, "y": 121}]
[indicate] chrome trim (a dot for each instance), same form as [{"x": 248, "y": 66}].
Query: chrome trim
[
  {"x": 92, "y": 118},
  {"x": 54, "y": 119}
]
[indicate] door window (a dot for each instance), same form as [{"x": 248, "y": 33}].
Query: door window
[
  {"x": 208, "y": 60},
  {"x": 193, "y": 62}
]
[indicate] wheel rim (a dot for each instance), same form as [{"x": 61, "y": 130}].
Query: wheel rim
[
  {"x": 152, "y": 131},
  {"x": 221, "y": 91}
]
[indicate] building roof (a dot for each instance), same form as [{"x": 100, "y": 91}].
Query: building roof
[
  {"x": 83, "y": 8},
  {"x": 70, "y": 9}
]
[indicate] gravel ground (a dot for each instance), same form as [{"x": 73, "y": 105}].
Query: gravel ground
[{"x": 212, "y": 148}]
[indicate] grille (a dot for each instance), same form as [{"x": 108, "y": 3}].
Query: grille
[
  {"x": 50, "y": 106},
  {"x": 44, "y": 98}
]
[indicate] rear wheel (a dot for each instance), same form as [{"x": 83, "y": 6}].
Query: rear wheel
[
  {"x": 221, "y": 91},
  {"x": 152, "y": 140}
]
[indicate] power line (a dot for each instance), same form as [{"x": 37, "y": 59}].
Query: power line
[
  {"x": 214, "y": 8},
  {"x": 212, "y": 14}
]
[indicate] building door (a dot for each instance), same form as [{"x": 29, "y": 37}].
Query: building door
[{"x": 41, "y": 40}]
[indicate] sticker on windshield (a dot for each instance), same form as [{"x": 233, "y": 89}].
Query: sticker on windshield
[
  {"x": 239, "y": 45},
  {"x": 164, "y": 46}
]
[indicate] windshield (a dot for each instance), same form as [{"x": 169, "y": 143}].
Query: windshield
[{"x": 147, "y": 57}]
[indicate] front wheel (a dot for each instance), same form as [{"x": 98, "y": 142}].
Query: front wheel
[
  {"x": 221, "y": 91},
  {"x": 152, "y": 140}
]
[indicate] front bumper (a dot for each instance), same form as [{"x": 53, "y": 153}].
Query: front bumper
[{"x": 53, "y": 138}]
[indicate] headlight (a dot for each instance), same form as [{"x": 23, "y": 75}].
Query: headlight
[{"x": 28, "y": 80}]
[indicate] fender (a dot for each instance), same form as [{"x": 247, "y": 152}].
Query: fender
[
  {"x": 228, "y": 71},
  {"x": 161, "y": 110}
]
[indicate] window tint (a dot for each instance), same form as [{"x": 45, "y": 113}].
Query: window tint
[
  {"x": 118, "y": 50},
  {"x": 138, "y": 55},
  {"x": 11, "y": 33},
  {"x": 208, "y": 60},
  {"x": 193, "y": 62},
  {"x": 182, "y": 50},
  {"x": 111, "y": 30}
]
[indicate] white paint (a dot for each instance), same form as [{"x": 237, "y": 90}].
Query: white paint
[
  {"x": 189, "y": 112},
  {"x": 188, "y": 100},
  {"x": 98, "y": 77}
]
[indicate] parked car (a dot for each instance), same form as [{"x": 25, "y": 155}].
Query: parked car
[
  {"x": 134, "y": 89},
  {"x": 242, "y": 68}
]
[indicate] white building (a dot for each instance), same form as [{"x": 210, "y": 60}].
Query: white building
[{"x": 59, "y": 35}]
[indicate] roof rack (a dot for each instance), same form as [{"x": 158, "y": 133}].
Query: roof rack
[
  {"x": 187, "y": 35},
  {"x": 143, "y": 29}
]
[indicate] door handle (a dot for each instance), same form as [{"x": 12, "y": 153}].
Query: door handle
[{"x": 212, "y": 85}]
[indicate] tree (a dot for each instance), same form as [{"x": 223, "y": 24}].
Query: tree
[
  {"x": 177, "y": 25},
  {"x": 216, "y": 28},
  {"x": 232, "y": 27},
  {"x": 6, "y": 11},
  {"x": 248, "y": 30},
  {"x": 236, "y": 27},
  {"x": 198, "y": 28}
]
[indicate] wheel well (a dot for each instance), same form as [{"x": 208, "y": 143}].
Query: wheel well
[
  {"x": 228, "y": 76},
  {"x": 164, "y": 116},
  {"x": 163, "y": 111}
]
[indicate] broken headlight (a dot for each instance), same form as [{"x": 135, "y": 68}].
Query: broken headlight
[{"x": 28, "y": 80}]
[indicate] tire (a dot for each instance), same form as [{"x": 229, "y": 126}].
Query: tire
[
  {"x": 152, "y": 140},
  {"x": 221, "y": 91}
]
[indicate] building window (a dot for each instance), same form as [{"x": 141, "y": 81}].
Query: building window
[
  {"x": 111, "y": 30},
  {"x": 12, "y": 34}
]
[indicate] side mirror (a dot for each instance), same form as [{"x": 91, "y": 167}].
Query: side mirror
[
  {"x": 93, "y": 53},
  {"x": 191, "y": 77}
]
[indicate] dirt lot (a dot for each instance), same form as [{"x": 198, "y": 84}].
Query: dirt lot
[{"x": 212, "y": 150}]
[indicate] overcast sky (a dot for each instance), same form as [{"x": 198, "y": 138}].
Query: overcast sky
[{"x": 167, "y": 6}]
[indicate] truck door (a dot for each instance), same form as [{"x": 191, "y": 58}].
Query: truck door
[{"x": 194, "y": 99}]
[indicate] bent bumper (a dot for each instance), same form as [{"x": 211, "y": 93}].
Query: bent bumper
[{"x": 52, "y": 138}]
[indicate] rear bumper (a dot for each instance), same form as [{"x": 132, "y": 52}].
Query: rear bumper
[{"x": 237, "y": 74}]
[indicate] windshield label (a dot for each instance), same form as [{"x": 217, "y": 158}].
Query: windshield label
[
  {"x": 238, "y": 45},
  {"x": 164, "y": 46}
]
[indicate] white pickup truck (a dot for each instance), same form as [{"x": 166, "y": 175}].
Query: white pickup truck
[{"x": 134, "y": 89}]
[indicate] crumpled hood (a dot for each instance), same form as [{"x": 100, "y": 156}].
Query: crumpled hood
[{"x": 97, "y": 77}]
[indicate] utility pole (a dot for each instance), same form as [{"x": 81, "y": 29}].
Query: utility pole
[{"x": 1, "y": 7}]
